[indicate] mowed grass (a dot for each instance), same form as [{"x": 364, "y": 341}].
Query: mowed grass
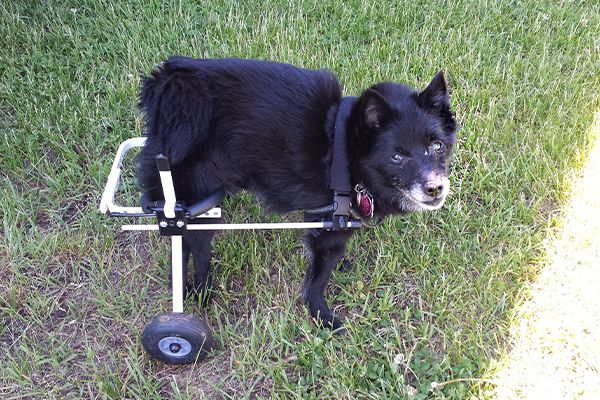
[{"x": 430, "y": 296}]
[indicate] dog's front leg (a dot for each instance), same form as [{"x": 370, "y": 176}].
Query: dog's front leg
[
  {"x": 325, "y": 249},
  {"x": 199, "y": 243}
]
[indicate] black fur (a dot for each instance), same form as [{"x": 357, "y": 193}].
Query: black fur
[{"x": 267, "y": 127}]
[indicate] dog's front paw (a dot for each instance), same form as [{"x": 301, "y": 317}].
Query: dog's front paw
[
  {"x": 332, "y": 322},
  {"x": 203, "y": 292},
  {"x": 204, "y": 296},
  {"x": 189, "y": 292},
  {"x": 323, "y": 315},
  {"x": 345, "y": 265}
]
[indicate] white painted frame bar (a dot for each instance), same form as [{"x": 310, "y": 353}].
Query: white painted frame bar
[
  {"x": 107, "y": 202},
  {"x": 232, "y": 227},
  {"x": 177, "y": 273},
  {"x": 166, "y": 180}
]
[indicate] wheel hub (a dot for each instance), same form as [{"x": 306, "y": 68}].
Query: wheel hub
[{"x": 174, "y": 346}]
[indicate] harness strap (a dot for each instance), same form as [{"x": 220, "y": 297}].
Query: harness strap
[{"x": 340, "y": 167}]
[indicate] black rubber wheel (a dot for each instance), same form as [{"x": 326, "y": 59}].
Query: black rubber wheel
[{"x": 177, "y": 338}]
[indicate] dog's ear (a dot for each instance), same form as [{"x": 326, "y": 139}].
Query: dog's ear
[
  {"x": 435, "y": 97},
  {"x": 436, "y": 94},
  {"x": 375, "y": 109}
]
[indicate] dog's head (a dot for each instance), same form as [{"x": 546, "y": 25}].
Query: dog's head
[{"x": 405, "y": 140}]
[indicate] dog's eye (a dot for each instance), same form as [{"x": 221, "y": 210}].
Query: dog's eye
[
  {"x": 397, "y": 157},
  {"x": 437, "y": 146}
]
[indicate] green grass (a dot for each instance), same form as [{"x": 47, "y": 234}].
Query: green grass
[{"x": 430, "y": 296}]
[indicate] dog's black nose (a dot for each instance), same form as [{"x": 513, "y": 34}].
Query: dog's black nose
[{"x": 434, "y": 188}]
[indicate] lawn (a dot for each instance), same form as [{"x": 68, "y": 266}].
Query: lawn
[{"x": 430, "y": 297}]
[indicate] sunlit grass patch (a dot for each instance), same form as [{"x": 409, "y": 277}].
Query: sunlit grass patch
[{"x": 555, "y": 334}]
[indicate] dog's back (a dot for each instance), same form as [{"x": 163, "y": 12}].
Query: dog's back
[{"x": 236, "y": 123}]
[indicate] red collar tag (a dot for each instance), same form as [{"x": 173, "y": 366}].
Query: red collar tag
[{"x": 364, "y": 201}]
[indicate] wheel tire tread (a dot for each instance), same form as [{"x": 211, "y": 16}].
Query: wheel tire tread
[{"x": 182, "y": 325}]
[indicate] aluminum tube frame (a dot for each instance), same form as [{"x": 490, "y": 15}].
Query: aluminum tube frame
[
  {"x": 107, "y": 202},
  {"x": 166, "y": 180},
  {"x": 230, "y": 227},
  {"x": 177, "y": 272}
]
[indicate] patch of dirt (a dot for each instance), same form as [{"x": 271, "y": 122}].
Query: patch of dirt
[
  {"x": 145, "y": 246},
  {"x": 71, "y": 212},
  {"x": 410, "y": 293},
  {"x": 68, "y": 214},
  {"x": 43, "y": 221},
  {"x": 50, "y": 332},
  {"x": 66, "y": 319},
  {"x": 208, "y": 379}
]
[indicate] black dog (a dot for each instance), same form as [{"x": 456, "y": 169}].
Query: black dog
[{"x": 267, "y": 127}]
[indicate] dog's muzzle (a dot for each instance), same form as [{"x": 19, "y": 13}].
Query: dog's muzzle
[{"x": 430, "y": 195}]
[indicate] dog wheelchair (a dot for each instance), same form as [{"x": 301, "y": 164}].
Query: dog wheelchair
[{"x": 178, "y": 337}]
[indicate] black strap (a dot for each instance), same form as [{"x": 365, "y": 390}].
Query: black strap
[{"x": 340, "y": 167}]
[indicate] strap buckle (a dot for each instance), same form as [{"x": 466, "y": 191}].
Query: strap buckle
[{"x": 341, "y": 214}]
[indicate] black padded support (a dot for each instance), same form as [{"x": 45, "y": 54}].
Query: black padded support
[
  {"x": 211, "y": 201},
  {"x": 147, "y": 203},
  {"x": 162, "y": 162}
]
